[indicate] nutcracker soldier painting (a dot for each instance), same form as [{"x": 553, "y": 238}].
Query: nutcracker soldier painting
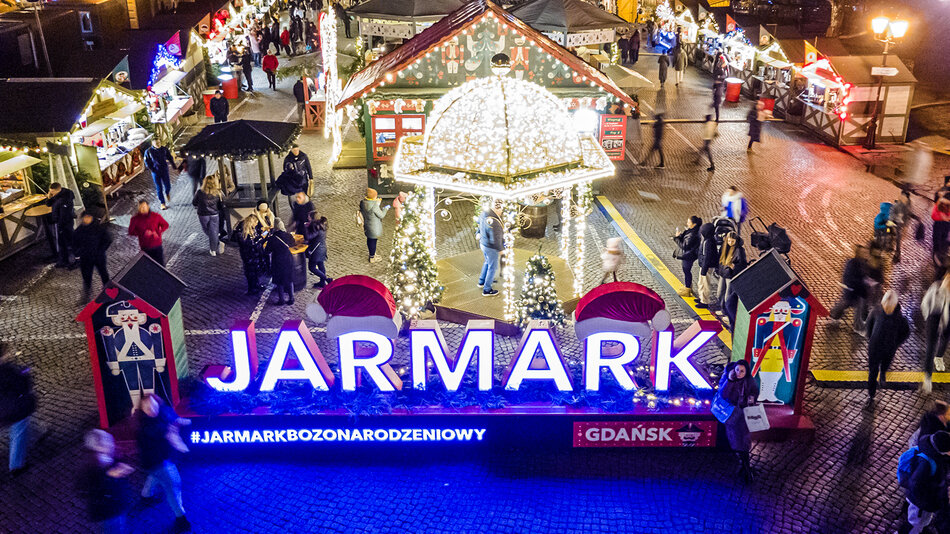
[{"x": 136, "y": 339}]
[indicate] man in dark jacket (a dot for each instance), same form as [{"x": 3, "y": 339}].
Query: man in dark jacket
[
  {"x": 60, "y": 200},
  {"x": 717, "y": 94},
  {"x": 90, "y": 242},
  {"x": 219, "y": 107},
  {"x": 17, "y": 404},
  {"x": 927, "y": 487},
  {"x": 708, "y": 262},
  {"x": 158, "y": 437},
  {"x": 855, "y": 291},
  {"x": 247, "y": 69},
  {"x": 157, "y": 159},
  {"x": 298, "y": 161},
  {"x": 300, "y": 98},
  {"x": 491, "y": 234},
  {"x": 887, "y": 329},
  {"x": 688, "y": 241},
  {"x": 300, "y": 209}
]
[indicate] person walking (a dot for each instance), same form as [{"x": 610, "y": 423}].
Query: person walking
[
  {"x": 209, "y": 203},
  {"x": 735, "y": 206},
  {"x": 732, "y": 260},
  {"x": 254, "y": 42},
  {"x": 90, "y": 242},
  {"x": 250, "y": 238},
  {"x": 278, "y": 247},
  {"x": 148, "y": 227},
  {"x": 755, "y": 118},
  {"x": 651, "y": 26},
  {"x": 219, "y": 107},
  {"x": 664, "y": 61},
  {"x": 157, "y": 159},
  {"x": 854, "y": 289},
  {"x": 717, "y": 94},
  {"x": 708, "y": 263},
  {"x": 658, "y": 131},
  {"x": 103, "y": 483},
  {"x": 299, "y": 162},
  {"x": 612, "y": 258},
  {"x": 944, "y": 191},
  {"x": 738, "y": 390},
  {"x": 247, "y": 69},
  {"x": 687, "y": 244},
  {"x": 158, "y": 439},
  {"x": 269, "y": 66},
  {"x": 887, "y": 329},
  {"x": 315, "y": 234},
  {"x": 940, "y": 245},
  {"x": 372, "y": 215},
  {"x": 679, "y": 63},
  {"x": 491, "y": 238},
  {"x": 62, "y": 214},
  {"x": 902, "y": 213},
  {"x": 926, "y": 485},
  {"x": 196, "y": 168},
  {"x": 266, "y": 40},
  {"x": 633, "y": 48},
  {"x": 285, "y": 41},
  {"x": 935, "y": 308},
  {"x": 295, "y": 34},
  {"x": 17, "y": 404},
  {"x": 300, "y": 98},
  {"x": 709, "y": 133},
  {"x": 300, "y": 211}
]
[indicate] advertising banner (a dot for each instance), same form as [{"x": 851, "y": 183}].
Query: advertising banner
[{"x": 644, "y": 433}]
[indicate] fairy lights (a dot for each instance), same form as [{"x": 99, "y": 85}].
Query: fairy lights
[
  {"x": 583, "y": 208},
  {"x": 333, "y": 123},
  {"x": 510, "y": 218},
  {"x": 164, "y": 60},
  {"x": 414, "y": 280},
  {"x": 566, "y": 224}
]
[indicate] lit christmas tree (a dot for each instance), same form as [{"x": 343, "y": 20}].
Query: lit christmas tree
[
  {"x": 414, "y": 280},
  {"x": 538, "y": 294}
]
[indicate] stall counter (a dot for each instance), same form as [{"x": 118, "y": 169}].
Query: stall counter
[{"x": 16, "y": 231}]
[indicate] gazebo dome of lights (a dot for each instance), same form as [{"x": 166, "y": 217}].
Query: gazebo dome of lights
[{"x": 501, "y": 137}]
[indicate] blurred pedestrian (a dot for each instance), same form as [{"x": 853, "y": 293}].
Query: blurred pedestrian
[
  {"x": 250, "y": 239},
  {"x": 612, "y": 258},
  {"x": 267, "y": 218},
  {"x": 944, "y": 191},
  {"x": 934, "y": 420},
  {"x": 679, "y": 62},
  {"x": 854, "y": 289},
  {"x": 269, "y": 66},
  {"x": 372, "y": 217},
  {"x": 285, "y": 41},
  {"x": 148, "y": 227},
  {"x": 623, "y": 44},
  {"x": 247, "y": 69},
  {"x": 633, "y": 48},
  {"x": 709, "y": 133},
  {"x": 104, "y": 485},
  {"x": 926, "y": 487},
  {"x": 887, "y": 329},
  {"x": 902, "y": 213},
  {"x": 658, "y": 131},
  {"x": 300, "y": 97},
  {"x": 940, "y": 215},
  {"x": 299, "y": 162},
  {"x": 708, "y": 263},
  {"x": 754, "y": 119},
  {"x": 315, "y": 234},
  {"x": 399, "y": 204},
  {"x": 919, "y": 163},
  {"x": 278, "y": 247},
  {"x": 717, "y": 93},
  {"x": 664, "y": 61},
  {"x": 687, "y": 251},
  {"x": 738, "y": 389},
  {"x": 157, "y": 158},
  {"x": 90, "y": 242},
  {"x": 62, "y": 215},
  {"x": 17, "y": 404},
  {"x": 735, "y": 206},
  {"x": 158, "y": 438},
  {"x": 935, "y": 308},
  {"x": 209, "y": 203},
  {"x": 196, "y": 168}
]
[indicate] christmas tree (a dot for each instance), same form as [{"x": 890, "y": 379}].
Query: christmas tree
[
  {"x": 414, "y": 279},
  {"x": 538, "y": 294}
]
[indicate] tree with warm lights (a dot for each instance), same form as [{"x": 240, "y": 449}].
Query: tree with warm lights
[
  {"x": 538, "y": 293},
  {"x": 414, "y": 280}
]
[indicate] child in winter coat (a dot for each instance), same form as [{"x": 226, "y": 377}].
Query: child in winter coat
[{"x": 612, "y": 257}]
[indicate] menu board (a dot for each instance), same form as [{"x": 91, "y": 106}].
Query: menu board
[{"x": 613, "y": 135}]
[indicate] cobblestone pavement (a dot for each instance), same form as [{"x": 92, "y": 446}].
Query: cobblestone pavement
[{"x": 841, "y": 482}]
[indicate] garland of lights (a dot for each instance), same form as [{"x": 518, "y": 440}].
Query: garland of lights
[
  {"x": 414, "y": 280},
  {"x": 163, "y": 60},
  {"x": 333, "y": 123},
  {"x": 583, "y": 209},
  {"x": 566, "y": 224},
  {"x": 539, "y": 293},
  {"x": 510, "y": 219},
  {"x": 428, "y": 207}
]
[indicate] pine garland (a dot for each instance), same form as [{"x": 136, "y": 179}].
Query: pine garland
[
  {"x": 538, "y": 293},
  {"x": 414, "y": 279}
]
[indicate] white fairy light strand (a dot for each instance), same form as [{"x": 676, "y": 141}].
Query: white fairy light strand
[{"x": 510, "y": 215}]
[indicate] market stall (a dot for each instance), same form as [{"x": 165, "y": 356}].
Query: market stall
[
  {"x": 245, "y": 152},
  {"x": 777, "y": 67},
  {"x": 688, "y": 28},
  {"x": 392, "y": 21},
  {"x": 708, "y": 39},
  {"x": 740, "y": 56},
  {"x": 165, "y": 98},
  {"x": 570, "y": 23},
  {"x": 839, "y": 98},
  {"x": 395, "y": 93},
  {"x": 21, "y": 202}
]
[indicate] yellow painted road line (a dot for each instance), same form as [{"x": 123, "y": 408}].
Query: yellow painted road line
[
  {"x": 830, "y": 375},
  {"x": 655, "y": 264}
]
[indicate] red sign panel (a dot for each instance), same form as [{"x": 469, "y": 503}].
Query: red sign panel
[
  {"x": 644, "y": 433},
  {"x": 613, "y": 135}
]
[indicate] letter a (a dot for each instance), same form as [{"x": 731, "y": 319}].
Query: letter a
[
  {"x": 294, "y": 336},
  {"x": 426, "y": 337},
  {"x": 550, "y": 366}
]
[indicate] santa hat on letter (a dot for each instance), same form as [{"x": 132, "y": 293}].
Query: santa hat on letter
[
  {"x": 620, "y": 307},
  {"x": 356, "y": 303}
]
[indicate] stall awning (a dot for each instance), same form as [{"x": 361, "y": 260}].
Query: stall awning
[
  {"x": 17, "y": 163},
  {"x": 96, "y": 127},
  {"x": 125, "y": 112},
  {"x": 169, "y": 80}
]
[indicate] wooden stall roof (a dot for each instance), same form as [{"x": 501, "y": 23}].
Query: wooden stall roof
[
  {"x": 406, "y": 9},
  {"x": 454, "y": 24},
  {"x": 856, "y": 70},
  {"x": 566, "y": 16},
  {"x": 43, "y": 105}
]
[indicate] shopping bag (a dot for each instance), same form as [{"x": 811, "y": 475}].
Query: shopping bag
[
  {"x": 756, "y": 418},
  {"x": 721, "y": 409}
]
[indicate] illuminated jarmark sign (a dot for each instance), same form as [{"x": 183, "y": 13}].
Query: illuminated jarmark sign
[{"x": 537, "y": 358}]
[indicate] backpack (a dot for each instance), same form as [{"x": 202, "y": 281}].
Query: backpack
[{"x": 906, "y": 464}]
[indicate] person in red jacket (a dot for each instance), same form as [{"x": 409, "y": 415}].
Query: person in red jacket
[
  {"x": 269, "y": 66},
  {"x": 285, "y": 40},
  {"x": 148, "y": 227}
]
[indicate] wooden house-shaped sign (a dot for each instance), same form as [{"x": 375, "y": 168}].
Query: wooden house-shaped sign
[
  {"x": 136, "y": 338},
  {"x": 396, "y": 92},
  {"x": 774, "y": 328}
]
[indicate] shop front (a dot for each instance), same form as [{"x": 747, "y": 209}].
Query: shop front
[{"x": 22, "y": 202}]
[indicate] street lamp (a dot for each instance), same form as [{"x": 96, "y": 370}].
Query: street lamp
[{"x": 887, "y": 31}]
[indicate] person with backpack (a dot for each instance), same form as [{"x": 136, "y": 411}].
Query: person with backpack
[
  {"x": 922, "y": 472},
  {"x": 687, "y": 251},
  {"x": 158, "y": 439},
  {"x": 104, "y": 483},
  {"x": 887, "y": 329},
  {"x": 708, "y": 263},
  {"x": 17, "y": 404}
]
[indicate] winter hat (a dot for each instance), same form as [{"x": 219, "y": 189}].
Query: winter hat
[
  {"x": 613, "y": 243},
  {"x": 941, "y": 441},
  {"x": 371, "y": 193}
]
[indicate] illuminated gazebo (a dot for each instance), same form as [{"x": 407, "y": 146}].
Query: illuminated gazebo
[{"x": 512, "y": 141}]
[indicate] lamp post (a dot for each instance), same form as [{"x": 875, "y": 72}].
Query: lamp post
[{"x": 888, "y": 32}]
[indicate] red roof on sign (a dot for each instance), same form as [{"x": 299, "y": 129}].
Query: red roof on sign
[
  {"x": 623, "y": 301},
  {"x": 454, "y": 24}
]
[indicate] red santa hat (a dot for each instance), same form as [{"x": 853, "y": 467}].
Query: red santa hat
[
  {"x": 620, "y": 307},
  {"x": 356, "y": 302}
]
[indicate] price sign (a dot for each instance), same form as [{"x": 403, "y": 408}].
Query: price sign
[{"x": 613, "y": 135}]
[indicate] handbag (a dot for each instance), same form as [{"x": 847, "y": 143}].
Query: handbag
[
  {"x": 722, "y": 409},
  {"x": 678, "y": 252},
  {"x": 755, "y": 418}
]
